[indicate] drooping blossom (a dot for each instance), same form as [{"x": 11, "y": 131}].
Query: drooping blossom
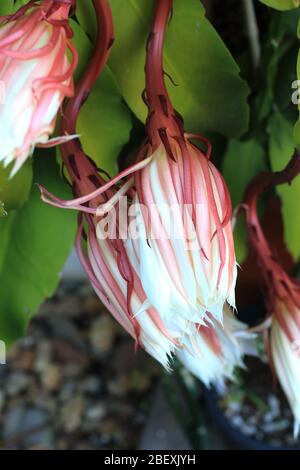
[
  {"x": 282, "y": 294},
  {"x": 188, "y": 267},
  {"x": 163, "y": 296},
  {"x": 36, "y": 74},
  {"x": 213, "y": 353}
]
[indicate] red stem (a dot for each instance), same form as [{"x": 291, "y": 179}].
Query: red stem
[
  {"x": 259, "y": 185},
  {"x": 274, "y": 275},
  {"x": 83, "y": 171},
  {"x": 161, "y": 112}
]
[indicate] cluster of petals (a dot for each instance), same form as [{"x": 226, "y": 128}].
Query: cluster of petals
[{"x": 36, "y": 74}]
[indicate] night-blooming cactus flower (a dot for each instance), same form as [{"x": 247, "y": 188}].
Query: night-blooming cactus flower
[
  {"x": 181, "y": 213},
  {"x": 36, "y": 74},
  {"x": 160, "y": 286},
  {"x": 282, "y": 295},
  {"x": 181, "y": 206},
  {"x": 212, "y": 353},
  {"x": 285, "y": 355}
]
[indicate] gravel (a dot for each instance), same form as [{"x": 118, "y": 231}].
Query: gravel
[{"x": 74, "y": 381}]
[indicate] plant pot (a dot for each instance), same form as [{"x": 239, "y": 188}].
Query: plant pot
[{"x": 234, "y": 436}]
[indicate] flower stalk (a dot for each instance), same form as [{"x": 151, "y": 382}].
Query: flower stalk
[{"x": 282, "y": 292}]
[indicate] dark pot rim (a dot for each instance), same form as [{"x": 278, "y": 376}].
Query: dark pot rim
[{"x": 236, "y": 437}]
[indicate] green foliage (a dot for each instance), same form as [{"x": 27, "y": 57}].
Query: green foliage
[
  {"x": 242, "y": 161},
  {"x": 34, "y": 243},
  {"x": 6, "y": 7},
  {"x": 15, "y": 191},
  {"x": 297, "y": 126},
  {"x": 277, "y": 70},
  {"x": 104, "y": 123},
  {"x": 209, "y": 87},
  {"x": 282, "y": 4},
  {"x": 281, "y": 149}
]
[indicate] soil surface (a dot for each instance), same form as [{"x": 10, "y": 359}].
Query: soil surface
[
  {"x": 258, "y": 408},
  {"x": 74, "y": 381}
]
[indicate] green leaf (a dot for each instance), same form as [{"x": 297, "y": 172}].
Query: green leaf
[
  {"x": 34, "y": 244},
  {"x": 297, "y": 126},
  {"x": 210, "y": 93},
  {"x": 281, "y": 151},
  {"x": 104, "y": 123},
  {"x": 242, "y": 161},
  {"x": 279, "y": 43},
  {"x": 83, "y": 47},
  {"x": 282, "y": 4},
  {"x": 14, "y": 192},
  {"x": 6, "y": 7},
  {"x": 85, "y": 15}
]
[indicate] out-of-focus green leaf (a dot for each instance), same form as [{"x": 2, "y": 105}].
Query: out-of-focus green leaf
[
  {"x": 14, "y": 192},
  {"x": 297, "y": 96},
  {"x": 210, "y": 93},
  {"x": 83, "y": 47},
  {"x": 278, "y": 44},
  {"x": 242, "y": 161},
  {"x": 6, "y": 7},
  {"x": 281, "y": 151},
  {"x": 282, "y": 4},
  {"x": 104, "y": 123},
  {"x": 35, "y": 241},
  {"x": 85, "y": 14}
]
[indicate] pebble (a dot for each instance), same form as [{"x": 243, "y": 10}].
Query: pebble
[
  {"x": 237, "y": 421},
  {"x": 44, "y": 401},
  {"x": 69, "y": 307},
  {"x": 119, "y": 386},
  {"x": 102, "y": 334},
  {"x": 71, "y": 414},
  {"x": 52, "y": 377},
  {"x": 234, "y": 407},
  {"x": 274, "y": 404},
  {"x": 92, "y": 385},
  {"x": 24, "y": 360},
  {"x": 276, "y": 426},
  {"x": 67, "y": 391},
  {"x": 59, "y": 376},
  {"x": 69, "y": 353},
  {"x": 95, "y": 412},
  {"x": 43, "y": 356},
  {"x": 16, "y": 383},
  {"x": 23, "y": 420},
  {"x": 92, "y": 306},
  {"x": 71, "y": 371},
  {"x": 248, "y": 429}
]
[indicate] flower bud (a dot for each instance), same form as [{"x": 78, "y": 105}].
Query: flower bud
[
  {"x": 181, "y": 237},
  {"x": 285, "y": 356},
  {"x": 35, "y": 74}
]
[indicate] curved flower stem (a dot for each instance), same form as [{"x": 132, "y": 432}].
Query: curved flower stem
[
  {"x": 155, "y": 84},
  {"x": 80, "y": 168},
  {"x": 258, "y": 186},
  {"x": 274, "y": 275},
  {"x": 161, "y": 112}
]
